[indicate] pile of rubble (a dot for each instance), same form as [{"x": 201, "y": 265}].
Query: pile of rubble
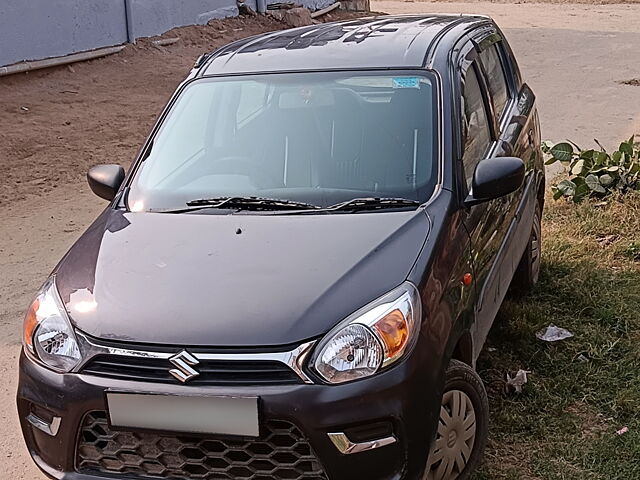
[
  {"x": 292, "y": 15},
  {"x": 295, "y": 15}
]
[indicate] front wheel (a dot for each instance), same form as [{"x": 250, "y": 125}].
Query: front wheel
[{"x": 462, "y": 427}]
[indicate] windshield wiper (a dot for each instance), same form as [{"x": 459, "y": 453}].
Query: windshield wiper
[
  {"x": 240, "y": 203},
  {"x": 372, "y": 204},
  {"x": 360, "y": 204}
]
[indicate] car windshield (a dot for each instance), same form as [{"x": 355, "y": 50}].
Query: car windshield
[{"x": 313, "y": 138}]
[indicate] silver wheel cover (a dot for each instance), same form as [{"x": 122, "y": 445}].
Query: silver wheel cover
[{"x": 455, "y": 438}]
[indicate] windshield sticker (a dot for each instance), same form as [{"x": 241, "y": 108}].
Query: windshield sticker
[{"x": 406, "y": 82}]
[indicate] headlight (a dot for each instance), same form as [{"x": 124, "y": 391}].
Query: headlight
[
  {"x": 47, "y": 333},
  {"x": 372, "y": 338}
]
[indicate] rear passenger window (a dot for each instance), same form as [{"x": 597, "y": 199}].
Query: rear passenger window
[
  {"x": 476, "y": 126},
  {"x": 495, "y": 76}
]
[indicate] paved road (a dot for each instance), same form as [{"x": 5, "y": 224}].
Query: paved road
[{"x": 572, "y": 55}]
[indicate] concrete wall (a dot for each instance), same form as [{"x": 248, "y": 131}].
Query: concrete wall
[
  {"x": 151, "y": 17},
  {"x": 37, "y": 29}
]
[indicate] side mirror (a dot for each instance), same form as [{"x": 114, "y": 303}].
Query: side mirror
[
  {"x": 105, "y": 180},
  {"x": 495, "y": 178}
]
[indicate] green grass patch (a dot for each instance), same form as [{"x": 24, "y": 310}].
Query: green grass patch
[{"x": 581, "y": 390}]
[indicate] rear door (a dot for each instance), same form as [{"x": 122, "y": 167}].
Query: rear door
[{"x": 513, "y": 105}]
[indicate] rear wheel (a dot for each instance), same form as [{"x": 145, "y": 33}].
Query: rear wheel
[
  {"x": 462, "y": 426},
  {"x": 526, "y": 275}
]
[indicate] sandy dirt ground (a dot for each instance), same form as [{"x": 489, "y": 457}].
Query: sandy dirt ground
[{"x": 54, "y": 124}]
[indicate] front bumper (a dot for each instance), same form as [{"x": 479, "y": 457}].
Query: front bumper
[{"x": 406, "y": 397}]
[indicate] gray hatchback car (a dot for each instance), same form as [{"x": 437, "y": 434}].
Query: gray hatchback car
[{"x": 298, "y": 273}]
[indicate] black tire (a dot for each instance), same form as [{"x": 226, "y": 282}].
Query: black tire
[
  {"x": 528, "y": 271},
  {"x": 461, "y": 380}
]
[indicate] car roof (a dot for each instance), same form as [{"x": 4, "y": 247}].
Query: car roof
[{"x": 402, "y": 41}]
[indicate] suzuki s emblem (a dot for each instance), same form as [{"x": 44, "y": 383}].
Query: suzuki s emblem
[{"x": 184, "y": 362}]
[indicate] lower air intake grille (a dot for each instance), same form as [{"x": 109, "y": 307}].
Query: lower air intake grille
[{"x": 282, "y": 452}]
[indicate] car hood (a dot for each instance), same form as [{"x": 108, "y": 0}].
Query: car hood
[{"x": 232, "y": 280}]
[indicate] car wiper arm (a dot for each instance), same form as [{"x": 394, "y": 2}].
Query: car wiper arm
[
  {"x": 373, "y": 203},
  {"x": 360, "y": 204},
  {"x": 250, "y": 201},
  {"x": 260, "y": 203},
  {"x": 240, "y": 203}
]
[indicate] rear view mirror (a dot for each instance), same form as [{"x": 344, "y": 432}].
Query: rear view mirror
[
  {"x": 105, "y": 180},
  {"x": 495, "y": 178}
]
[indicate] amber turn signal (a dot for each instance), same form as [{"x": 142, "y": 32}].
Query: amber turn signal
[
  {"x": 394, "y": 332},
  {"x": 30, "y": 323}
]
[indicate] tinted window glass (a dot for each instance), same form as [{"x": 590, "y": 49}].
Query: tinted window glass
[
  {"x": 496, "y": 78},
  {"x": 319, "y": 138},
  {"x": 476, "y": 126}
]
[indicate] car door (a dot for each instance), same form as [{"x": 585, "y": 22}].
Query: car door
[
  {"x": 496, "y": 228},
  {"x": 519, "y": 136},
  {"x": 485, "y": 223}
]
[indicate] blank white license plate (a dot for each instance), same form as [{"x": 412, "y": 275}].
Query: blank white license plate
[{"x": 218, "y": 415}]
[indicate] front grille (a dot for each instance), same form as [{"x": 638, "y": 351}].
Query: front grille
[
  {"x": 212, "y": 372},
  {"x": 281, "y": 452}
]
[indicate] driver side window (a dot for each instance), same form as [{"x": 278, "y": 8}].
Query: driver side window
[{"x": 475, "y": 124}]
